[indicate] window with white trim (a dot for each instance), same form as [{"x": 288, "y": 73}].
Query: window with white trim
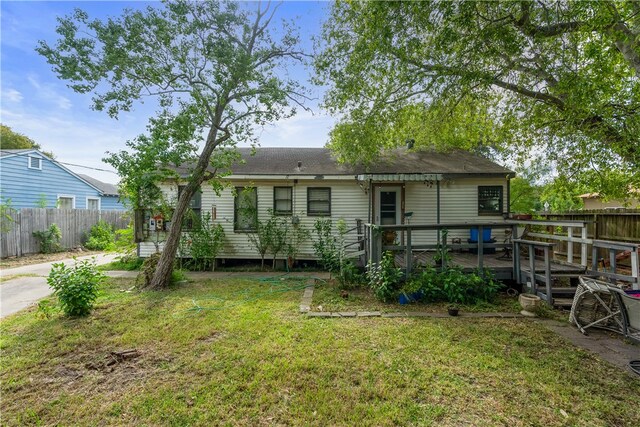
[
  {"x": 66, "y": 202},
  {"x": 93, "y": 203},
  {"x": 35, "y": 162}
]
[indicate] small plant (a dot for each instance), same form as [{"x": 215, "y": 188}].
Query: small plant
[
  {"x": 299, "y": 234},
  {"x": 42, "y": 201},
  {"x": 384, "y": 277},
  {"x": 76, "y": 287},
  {"x": 442, "y": 257},
  {"x": 101, "y": 237},
  {"x": 260, "y": 239},
  {"x": 203, "y": 242},
  {"x": 49, "y": 239},
  {"x": 325, "y": 245}
]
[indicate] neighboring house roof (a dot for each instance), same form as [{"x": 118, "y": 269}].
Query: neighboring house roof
[
  {"x": 320, "y": 161},
  {"x": 106, "y": 188},
  {"x": 102, "y": 187},
  {"x": 15, "y": 151}
]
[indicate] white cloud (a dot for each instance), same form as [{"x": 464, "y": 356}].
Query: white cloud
[
  {"x": 12, "y": 95},
  {"x": 305, "y": 129},
  {"x": 47, "y": 92}
]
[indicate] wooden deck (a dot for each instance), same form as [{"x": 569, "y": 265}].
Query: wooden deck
[{"x": 500, "y": 265}]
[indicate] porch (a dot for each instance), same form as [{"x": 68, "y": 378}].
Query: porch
[{"x": 522, "y": 250}]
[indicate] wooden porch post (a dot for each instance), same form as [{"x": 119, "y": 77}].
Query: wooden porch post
[{"x": 570, "y": 244}]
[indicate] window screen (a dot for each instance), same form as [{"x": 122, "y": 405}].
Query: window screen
[{"x": 319, "y": 201}]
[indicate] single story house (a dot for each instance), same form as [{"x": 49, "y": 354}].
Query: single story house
[
  {"x": 308, "y": 184},
  {"x": 30, "y": 179},
  {"x": 593, "y": 201}
]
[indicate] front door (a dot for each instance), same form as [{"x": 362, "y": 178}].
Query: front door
[{"x": 388, "y": 206}]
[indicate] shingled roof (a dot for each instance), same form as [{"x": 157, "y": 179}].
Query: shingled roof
[
  {"x": 106, "y": 188},
  {"x": 320, "y": 161}
]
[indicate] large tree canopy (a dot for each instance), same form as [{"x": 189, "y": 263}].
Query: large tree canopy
[
  {"x": 217, "y": 69},
  {"x": 9, "y": 139},
  {"x": 559, "y": 80}
]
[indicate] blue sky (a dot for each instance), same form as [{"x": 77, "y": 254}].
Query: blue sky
[{"x": 34, "y": 102}]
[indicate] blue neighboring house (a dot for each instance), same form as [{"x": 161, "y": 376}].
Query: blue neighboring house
[{"x": 30, "y": 179}]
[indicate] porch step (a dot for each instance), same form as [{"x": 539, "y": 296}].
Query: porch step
[{"x": 563, "y": 302}]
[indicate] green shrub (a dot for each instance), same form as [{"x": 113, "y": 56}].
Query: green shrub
[
  {"x": 49, "y": 239},
  {"x": 454, "y": 286},
  {"x": 384, "y": 277},
  {"x": 203, "y": 242},
  {"x": 76, "y": 287},
  {"x": 101, "y": 237}
]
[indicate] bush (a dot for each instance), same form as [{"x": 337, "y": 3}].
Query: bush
[
  {"x": 384, "y": 277},
  {"x": 49, "y": 239},
  {"x": 454, "y": 286},
  {"x": 76, "y": 287},
  {"x": 101, "y": 237}
]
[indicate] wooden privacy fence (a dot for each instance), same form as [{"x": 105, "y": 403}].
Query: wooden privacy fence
[
  {"x": 620, "y": 225},
  {"x": 16, "y": 238}
]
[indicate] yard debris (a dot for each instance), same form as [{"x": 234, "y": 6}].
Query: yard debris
[{"x": 112, "y": 359}]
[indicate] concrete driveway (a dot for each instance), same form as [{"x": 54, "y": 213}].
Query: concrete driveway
[{"x": 17, "y": 293}]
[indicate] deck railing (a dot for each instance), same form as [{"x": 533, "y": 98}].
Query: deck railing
[{"x": 515, "y": 229}]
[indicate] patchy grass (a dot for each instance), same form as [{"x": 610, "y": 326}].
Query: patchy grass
[
  {"x": 40, "y": 258},
  {"x": 330, "y": 297},
  {"x": 248, "y": 358}
]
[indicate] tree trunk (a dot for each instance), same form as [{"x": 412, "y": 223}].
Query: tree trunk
[{"x": 162, "y": 276}]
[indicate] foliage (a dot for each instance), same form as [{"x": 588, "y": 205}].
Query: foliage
[
  {"x": 203, "y": 242},
  {"x": 49, "y": 239},
  {"x": 442, "y": 255},
  {"x": 298, "y": 235},
  {"x": 6, "y": 215},
  {"x": 101, "y": 237},
  {"x": 76, "y": 287},
  {"x": 325, "y": 245},
  {"x": 384, "y": 277},
  {"x": 143, "y": 280},
  {"x": 217, "y": 71},
  {"x": 260, "y": 238},
  {"x": 42, "y": 201},
  {"x": 10, "y": 139},
  {"x": 454, "y": 286},
  {"x": 125, "y": 241},
  {"x": 552, "y": 81},
  {"x": 331, "y": 252}
]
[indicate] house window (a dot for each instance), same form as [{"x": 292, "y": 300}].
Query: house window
[
  {"x": 195, "y": 205},
  {"x": 66, "y": 202},
  {"x": 35, "y": 162},
  {"x": 319, "y": 201},
  {"x": 245, "y": 209},
  {"x": 490, "y": 200},
  {"x": 282, "y": 200},
  {"x": 93, "y": 203}
]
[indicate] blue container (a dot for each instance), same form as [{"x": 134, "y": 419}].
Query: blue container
[{"x": 486, "y": 235}]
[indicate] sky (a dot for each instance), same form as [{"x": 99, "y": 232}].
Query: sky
[{"x": 35, "y": 103}]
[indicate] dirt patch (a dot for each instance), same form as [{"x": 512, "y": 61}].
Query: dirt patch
[{"x": 40, "y": 258}]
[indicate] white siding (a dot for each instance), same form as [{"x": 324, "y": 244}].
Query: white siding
[
  {"x": 458, "y": 204},
  {"x": 348, "y": 202}
]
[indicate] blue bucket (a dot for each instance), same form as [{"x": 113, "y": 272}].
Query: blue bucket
[{"x": 486, "y": 234}]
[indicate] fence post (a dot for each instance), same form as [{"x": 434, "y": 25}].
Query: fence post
[
  {"x": 408, "y": 254},
  {"x": 583, "y": 249}
]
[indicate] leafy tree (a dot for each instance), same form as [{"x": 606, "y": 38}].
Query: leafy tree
[
  {"x": 10, "y": 139},
  {"x": 216, "y": 69},
  {"x": 558, "y": 80}
]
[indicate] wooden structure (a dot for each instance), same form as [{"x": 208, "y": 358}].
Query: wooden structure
[
  {"x": 16, "y": 238},
  {"x": 532, "y": 262}
]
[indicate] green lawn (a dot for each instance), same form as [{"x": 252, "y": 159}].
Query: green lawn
[{"x": 248, "y": 358}]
